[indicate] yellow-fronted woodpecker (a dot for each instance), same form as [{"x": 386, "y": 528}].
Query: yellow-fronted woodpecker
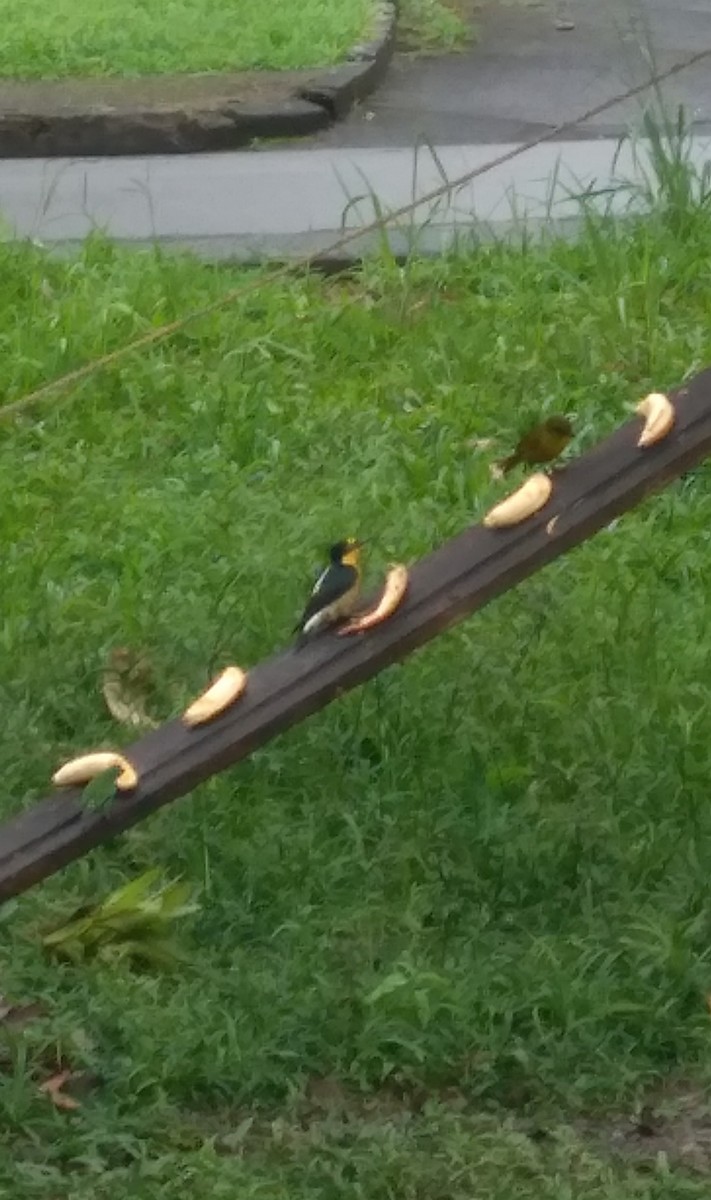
[{"x": 335, "y": 592}]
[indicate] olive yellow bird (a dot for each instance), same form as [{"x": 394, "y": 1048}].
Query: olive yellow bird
[{"x": 541, "y": 444}]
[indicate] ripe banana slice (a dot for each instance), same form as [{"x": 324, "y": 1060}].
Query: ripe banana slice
[
  {"x": 658, "y": 411},
  {"x": 88, "y": 766},
  {"x": 523, "y": 503},
  {"x": 227, "y": 688},
  {"x": 392, "y": 597}
]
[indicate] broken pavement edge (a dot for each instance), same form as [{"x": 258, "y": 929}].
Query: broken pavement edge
[{"x": 44, "y": 120}]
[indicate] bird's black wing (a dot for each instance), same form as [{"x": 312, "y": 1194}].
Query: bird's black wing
[{"x": 331, "y": 585}]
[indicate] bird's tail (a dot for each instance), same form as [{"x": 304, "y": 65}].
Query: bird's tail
[{"x": 300, "y": 638}]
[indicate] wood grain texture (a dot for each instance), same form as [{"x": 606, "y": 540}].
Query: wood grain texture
[{"x": 448, "y": 585}]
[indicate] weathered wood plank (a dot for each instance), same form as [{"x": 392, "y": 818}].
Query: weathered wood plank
[{"x": 446, "y": 586}]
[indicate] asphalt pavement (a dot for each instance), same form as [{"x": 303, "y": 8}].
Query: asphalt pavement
[
  {"x": 434, "y": 118},
  {"x": 534, "y": 66}
]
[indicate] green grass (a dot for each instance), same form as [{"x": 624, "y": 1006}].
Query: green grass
[
  {"x": 144, "y": 37},
  {"x": 474, "y": 893},
  {"x": 434, "y": 26}
]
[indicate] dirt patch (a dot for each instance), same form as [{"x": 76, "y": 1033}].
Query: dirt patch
[
  {"x": 327, "y": 1108},
  {"x": 673, "y": 1126}
]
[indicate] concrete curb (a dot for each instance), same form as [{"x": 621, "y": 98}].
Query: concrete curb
[
  {"x": 339, "y": 88},
  {"x": 86, "y": 118}
]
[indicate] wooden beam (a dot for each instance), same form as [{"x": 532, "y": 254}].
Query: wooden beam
[{"x": 446, "y": 586}]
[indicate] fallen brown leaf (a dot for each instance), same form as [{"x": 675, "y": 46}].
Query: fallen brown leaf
[
  {"x": 20, "y": 1014},
  {"x": 52, "y": 1087},
  {"x": 127, "y": 682}
]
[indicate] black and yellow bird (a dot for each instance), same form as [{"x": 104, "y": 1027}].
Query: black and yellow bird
[
  {"x": 541, "y": 444},
  {"x": 335, "y": 592}
]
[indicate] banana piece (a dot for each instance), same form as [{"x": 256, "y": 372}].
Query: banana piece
[
  {"x": 658, "y": 411},
  {"x": 88, "y": 766},
  {"x": 393, "y": 594},
  {"x": 531, "y": 496},
  {"x": 227, "y": 688}
]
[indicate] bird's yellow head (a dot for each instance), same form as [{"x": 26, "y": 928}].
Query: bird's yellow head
[{"x": 346, "y": 552}]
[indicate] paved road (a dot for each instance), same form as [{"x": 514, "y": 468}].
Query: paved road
[
  {"x": 286, "y": 202},
  {"x": 524, "y": 75}
]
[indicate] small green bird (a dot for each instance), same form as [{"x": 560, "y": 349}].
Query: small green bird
[
  {"x": 541, "y": 444},
  {"x": 335, "y": 592}
]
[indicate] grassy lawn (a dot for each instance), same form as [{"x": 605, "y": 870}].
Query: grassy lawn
[
  {"x": 133, "y": 38},
  {"x": 454, "y": 931},
  {"x": 143, "y": 37}
]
